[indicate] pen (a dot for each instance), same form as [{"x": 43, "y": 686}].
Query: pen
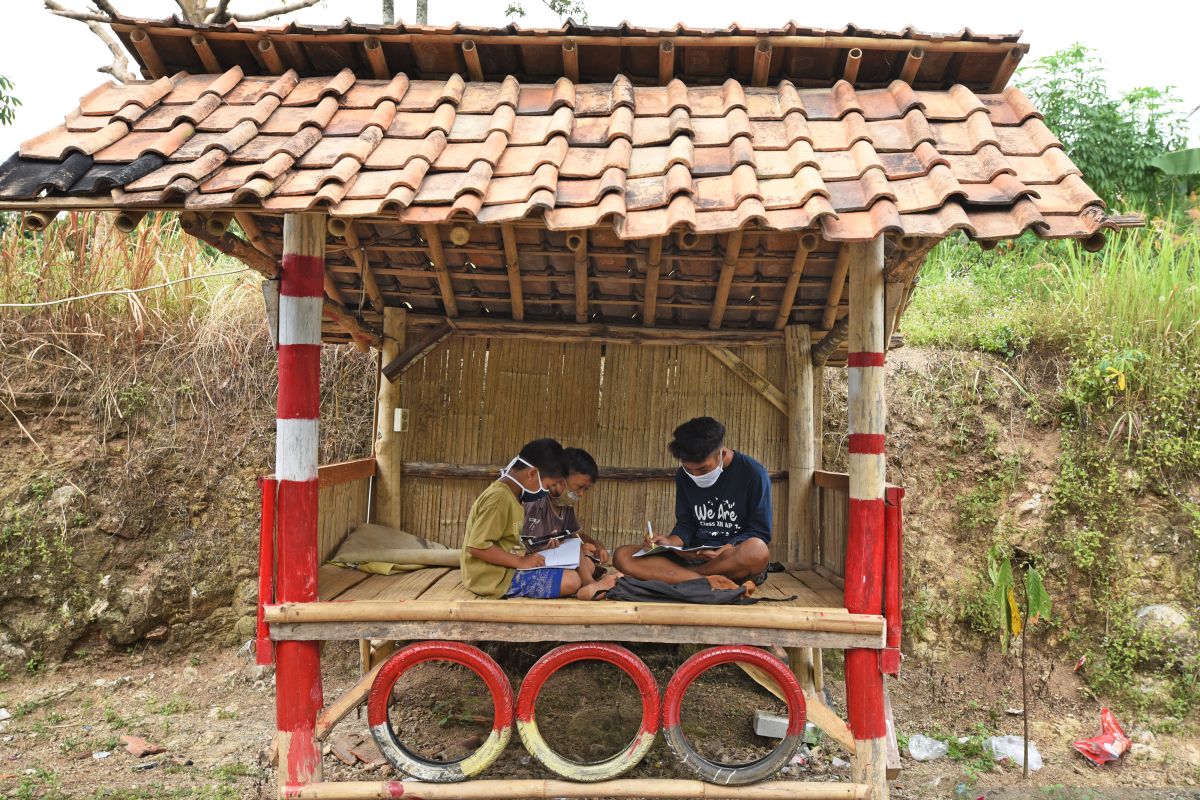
[{"x": 649, "y": 534}]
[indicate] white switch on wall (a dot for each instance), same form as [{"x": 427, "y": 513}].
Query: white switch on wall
[{"x": 400, "y": 420}]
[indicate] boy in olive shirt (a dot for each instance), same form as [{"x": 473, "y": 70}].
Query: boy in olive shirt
[{"x": 494, "y": 562}]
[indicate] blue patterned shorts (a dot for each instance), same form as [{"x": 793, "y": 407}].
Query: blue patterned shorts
[{"x": 540, "y": 584}]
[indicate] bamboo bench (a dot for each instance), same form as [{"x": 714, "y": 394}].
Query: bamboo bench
[{"x": 432, "y": 603}]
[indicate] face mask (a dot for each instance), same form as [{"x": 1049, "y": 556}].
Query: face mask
[
  {"x": 568, "y": 499},
  {"x": 706, "y": 480},
  {"x": 526, "y": 495}
]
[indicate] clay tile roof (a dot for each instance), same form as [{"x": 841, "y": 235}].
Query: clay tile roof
[{"x": 647, "y": 161}]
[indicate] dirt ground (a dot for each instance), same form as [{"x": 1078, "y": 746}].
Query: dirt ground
[{"x": 213, "y": 713}]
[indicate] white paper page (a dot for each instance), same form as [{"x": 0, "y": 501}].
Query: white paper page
[{"x": 566, "y": 555}]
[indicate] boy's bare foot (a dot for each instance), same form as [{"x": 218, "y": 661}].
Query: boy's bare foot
[
  {"x": 720, "y": 582},
  {"x": 590, "y": 591},
  {"x": 751, "y": 587}
]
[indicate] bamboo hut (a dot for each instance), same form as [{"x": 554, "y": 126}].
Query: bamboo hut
[{"x": 619, "y": 227}]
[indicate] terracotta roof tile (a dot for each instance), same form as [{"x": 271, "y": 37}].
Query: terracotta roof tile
[{"x": 648, "y": 160}]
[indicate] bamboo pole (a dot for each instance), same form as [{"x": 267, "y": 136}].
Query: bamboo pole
[
  {"x": 801, "y": 443},
  {"x": 666, "y": 62},
  {"x": 433, "y": 239},
  {"x": 571, "y": 612},
  {"x": 370, "y": 284},
  {"x": 805, "y": 244},
  {"x": 733, "y": 246},
  {"x": 376, "y": 58},
  {"x": 601, "y": 332},
  {"x": 837, "y": 284},
  {"x": 578, "y": 242},
  {"x": 207, "y": 57},
  {"x": 762, "y": 64},
  {"x": 1007, "y": 67},
  {"x": 512, "y": 265},
  {"x": 230, "y": 245},
  {"x": 149, "y": 53},
  {"x": 438, "y": 469},
  {"x": 912, "y": 65},
  {"x": 853, "y": 63},
  {"x": 355, "y": 696},
  {"x": 570, "y": 57},
  {"x": 543, "y": 789},
  {"x": 387, "y": 488},
  {"x": 653, "y": 271},
  {"x": 750, "y": 376},
  {"x": 471, "y": 57},
  {"x": 270, "y": 56}
]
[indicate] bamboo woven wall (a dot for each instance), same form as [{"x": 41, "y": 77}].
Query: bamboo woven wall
[
  {"x": 476, "y": 401},
  {"x": 833, "y": 522},
  {"x": 342, "y": 508}
]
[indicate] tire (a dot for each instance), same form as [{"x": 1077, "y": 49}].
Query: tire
[
  {"x": 409, "y": 762},
  {"x": 733, "y": 774},
  {"x": 535, "y": 681}
]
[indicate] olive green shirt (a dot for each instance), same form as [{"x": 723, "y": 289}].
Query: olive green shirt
[{"x": 495, "y": 519}]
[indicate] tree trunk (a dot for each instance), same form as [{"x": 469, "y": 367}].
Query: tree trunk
[
  {"x": 422, "y": 12},
  {"x": 389, "y": 12}
]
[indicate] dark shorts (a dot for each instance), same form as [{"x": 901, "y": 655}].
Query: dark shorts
[{"x": 540, "y": 584}]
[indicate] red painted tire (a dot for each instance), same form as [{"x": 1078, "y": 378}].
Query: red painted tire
[
  {"x": 535, "y": 681},
  {"x": 409, "y": 762},
  {"x": 733, "y": 774}
]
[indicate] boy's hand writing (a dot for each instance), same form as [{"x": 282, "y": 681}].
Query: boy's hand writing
[
  {"x": 709, "y": 555},
  {"x": 531, "y": 561}
]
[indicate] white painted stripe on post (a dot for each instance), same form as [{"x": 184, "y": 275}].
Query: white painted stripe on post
[
  {"x": 300, "y": 320},
  {"x": 867, "y": 471},
  {"x": 296, "y": 443}
]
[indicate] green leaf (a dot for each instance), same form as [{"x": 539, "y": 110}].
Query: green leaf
[
  {"x": 1000, "y": 571},
  {"x": 1180, "y": 162},
  {"x": 1035, "y": 591}
]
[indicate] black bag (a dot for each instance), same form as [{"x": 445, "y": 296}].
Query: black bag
[{"x": 697, "y": 590}]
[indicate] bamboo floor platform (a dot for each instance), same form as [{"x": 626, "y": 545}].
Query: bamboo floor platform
[{"x": 806, "y": 611}]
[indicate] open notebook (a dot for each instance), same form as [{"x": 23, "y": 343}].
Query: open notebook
[
  {"x": 565, "y": 556},
  {"x": 663, "y": 549}
]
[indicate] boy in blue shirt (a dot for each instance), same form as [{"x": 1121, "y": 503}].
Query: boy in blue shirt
[{"x": 722, "y": 499}]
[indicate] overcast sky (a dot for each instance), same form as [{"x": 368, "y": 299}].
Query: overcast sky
[{"x": 52, "y": 60}]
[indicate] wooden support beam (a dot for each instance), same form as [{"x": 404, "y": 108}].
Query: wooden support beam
[
  {"x": 600, "y": 332},
  {"x": 230, "y": 245},
  {"x": 577, "y": 241},
  {"x": 912, "y": 65},
  {"x": 433, "y": 239},
  {"x": 512, "y": 263},
  {"x": 666, "y": 62},
  {"x": 435, "y": 469},
  {"x": 751, "y": 376},
  {"x": 837, "y": 284},
  {"x": 1007, "y": 67},
  {"x": 270, "y": 56},
  {"x": 355, "y": 696},
  {"x": 733, "y": 246},
  {"x": 393, "y": 367},
  {"x": 653, "y": 270},
  {"x": 370, "y": 284},
  {"x": 762, "y": 63},
  {"x": 207, "y": 57},
  {"x": 829, "y": 343},
  {"x": 819, "y": 714},
  {"x": 471, "y": 57},
  {"x": 149, "y": 53},
  {"x": 254, "y": 233},
  {"x": 386, "y": 489},
  {"x": 362, "y": 338},
  {"x": 376, "y": 58},
  {"x": 805, "y": 244},
  {"x": 801, "y": 450},
  {"x": 570, "y": 56},
  {"x": 853, "y": 62}
]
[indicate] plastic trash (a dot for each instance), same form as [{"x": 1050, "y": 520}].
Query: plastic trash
[
  {"x": 1110, "y": 745},
  {"x": 1013, "y": 749},
  {"x": 925, "y": 748}
]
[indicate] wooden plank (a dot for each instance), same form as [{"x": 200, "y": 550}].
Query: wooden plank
[
  {"x": 450, "y": 587},
  {"x": 747, "y": 374},
  {"x": 893, "y": 746},
  {"x": 806, "y": 596},
  {"x": 395, "y": 366},
  {"x": 837, "y": 481},
  {"x": 411, "y": 585},
  {"x": 829, "y": 594},
  {"x": 345, "y": 471},
  {"x": 332, "y": 581},
  {"x": 512, "y": 632},
  {"x": 355, "y": 696}
]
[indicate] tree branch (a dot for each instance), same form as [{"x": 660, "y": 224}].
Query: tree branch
[
  {"x": 285, "y": 8},
  {"x": 119, "y": 68},
  {"x": 219, "y": 13},
  {"x": 106, "y": 7},
  {"x": 69, "y": 13}
]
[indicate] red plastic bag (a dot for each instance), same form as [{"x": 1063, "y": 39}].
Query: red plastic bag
[{"x": 1110, "y": 745}]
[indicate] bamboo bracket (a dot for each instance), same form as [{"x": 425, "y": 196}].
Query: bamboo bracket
[
  {"x": 370, "y": 284},
  {"x": 733, "y": 247},
  {"x": 416, "y": 351},
  {"x": 230, "y": 245},
  {"x": 437, "y": 255},
  {"x": 837, "y": 285},
  {"x": 512, "y": 264},
  {"x": 207, "y": 57},
  {"x": 830, "y": 342},
  {"x": 149, "y": 53},
  {"x": 578, "y": 242},
  {"x": 376, "y": 58},
  {"x": 653, "y": 271},
  {"x": 751, "y": 376},
  {"x": 805, "y": 244}
]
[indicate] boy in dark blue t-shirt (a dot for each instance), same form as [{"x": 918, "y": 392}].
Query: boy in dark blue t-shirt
[{"x": 722, "y": 500}]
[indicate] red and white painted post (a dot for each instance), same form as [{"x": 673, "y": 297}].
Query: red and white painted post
[
  {"x": 865, "y": 541},
  {"x": 298, "y": 695}
]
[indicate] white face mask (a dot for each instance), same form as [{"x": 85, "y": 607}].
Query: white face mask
[
  {"x": 527, "y": 495},
  {"x": 707, "y": 480}
]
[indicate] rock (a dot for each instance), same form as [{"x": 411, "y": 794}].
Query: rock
[
  {"x": 99, "y": 754},
  {"x": 257, "y": 672},
  {"x": 342, "y": 747},
  {"x": 840, "y": 763},
  {"x": 5, "y": 714},
  {"x": 1145, "y": 752},
  {"x": 1165, "y": 619},
  {"x": 64, "y": 497},
  {"x": 1030, "y": 506},
  {"x": 109, "y": 522}
]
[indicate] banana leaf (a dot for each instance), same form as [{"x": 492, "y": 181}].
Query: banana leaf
[{"x": 1179, "y": 162}]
